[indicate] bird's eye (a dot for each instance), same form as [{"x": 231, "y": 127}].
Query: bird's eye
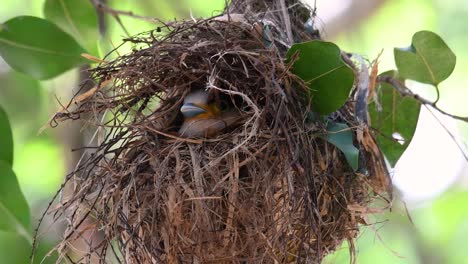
[{"x": 223, "y": 105}]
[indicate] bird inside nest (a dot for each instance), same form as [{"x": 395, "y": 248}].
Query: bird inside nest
[{"x": 206, "y": 115}]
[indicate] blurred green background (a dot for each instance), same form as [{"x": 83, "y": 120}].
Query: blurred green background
[{"x": 436, "y": 199}]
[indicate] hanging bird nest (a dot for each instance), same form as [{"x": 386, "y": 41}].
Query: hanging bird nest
[{"x": 269, "y": 188}]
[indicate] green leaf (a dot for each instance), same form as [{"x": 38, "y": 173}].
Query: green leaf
[
  {"x": 330, "y": 80},
  {"x": 18, "y": 87},
  {"x": 14, "y": 209},
  {"x": 39, "y": 48},
  {"x": 340, "y": 135},
  {"x": 427, "y": 60},
  {"x": 6, "y": 139},
  {"x": 76, "y": 17},
  {"x": 14, "y": 249},
  {"x": 397, "y": 119}
]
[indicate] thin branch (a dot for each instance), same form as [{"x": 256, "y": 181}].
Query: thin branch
[
  {"x": 287, "y": 22},
  {"x": 405, "y": 91},
  {"x": 459, "y": 146},
  {"x": 114, "y": 12},
  {"x": 362, "y": 91}
]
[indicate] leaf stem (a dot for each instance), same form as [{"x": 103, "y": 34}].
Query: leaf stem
[{"x": 438, "y": 94}]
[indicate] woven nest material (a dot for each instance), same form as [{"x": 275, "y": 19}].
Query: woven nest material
[{"x": 269, "y": 189}]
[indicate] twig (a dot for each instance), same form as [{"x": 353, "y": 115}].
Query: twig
[
  {"x": 287, "y": 22},
  {"x": 114, "y": 12},
  {"x": 362, "y": 91},
  {"x": 405, "y": 91},
  {"x": 459, "y": 146}
]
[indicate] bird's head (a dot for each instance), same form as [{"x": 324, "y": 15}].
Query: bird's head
[
  {"x": 206, "y": 115},
  {"x": 197, "y": 104}
]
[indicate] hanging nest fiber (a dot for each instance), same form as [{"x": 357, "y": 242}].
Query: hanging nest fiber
[{"x": 269, "y": 189}]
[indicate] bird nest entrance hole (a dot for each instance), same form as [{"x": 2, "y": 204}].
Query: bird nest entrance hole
[{"x": 267, "y": 189}]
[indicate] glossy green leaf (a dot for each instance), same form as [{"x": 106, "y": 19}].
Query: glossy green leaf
[
  {"x": 6, "y": 139},
  {"x": 14, "y": 209},
  {"x": 76, "y": 17},
  {"x": 39, "y": 48},
  {"x": 14, "y": 248},
  {"x": 330, "y": 80},
  {"x": 395, "y": 118},
  {"x": 427, "y": 60},
  {"x": 341, "y": 136}
]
